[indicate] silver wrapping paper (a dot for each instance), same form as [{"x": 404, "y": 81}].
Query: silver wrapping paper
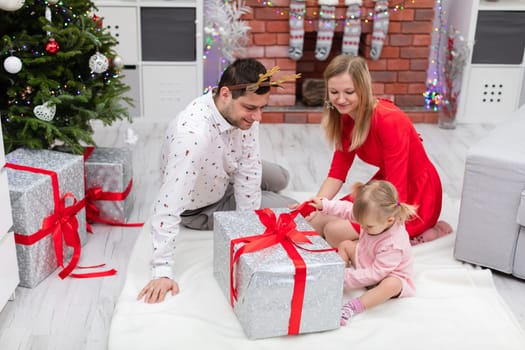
[
  {"x": 111, "y": 169},
  {"x": 265, "y": 279},
  {"x": 32, "y": 201}
]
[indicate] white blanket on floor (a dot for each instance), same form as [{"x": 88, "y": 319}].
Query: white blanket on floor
[{"x": 456, "y": 307}]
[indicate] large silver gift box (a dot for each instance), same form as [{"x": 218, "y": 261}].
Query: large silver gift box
[
  {"x": 110, "y": 169},
  {"x": 265, "y": 279},
  {"x": 32, "y": 201}
]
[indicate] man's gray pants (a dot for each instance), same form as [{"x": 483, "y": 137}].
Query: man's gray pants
[{"x": 274, "y": 179}]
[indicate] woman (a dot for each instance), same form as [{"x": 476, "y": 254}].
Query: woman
[{"x": 380, "y": 134}]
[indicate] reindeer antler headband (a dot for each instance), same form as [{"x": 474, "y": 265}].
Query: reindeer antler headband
[{"x": 264, "y": 80}]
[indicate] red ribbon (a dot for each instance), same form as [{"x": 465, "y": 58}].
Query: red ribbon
[
  {"x": 96, "y": 194},
  {"x": 62, "y": 224},
  {"x": 305, "y": 209},
  {"x": 278, "y": 231},
  {"x": 93, "y": 212}
]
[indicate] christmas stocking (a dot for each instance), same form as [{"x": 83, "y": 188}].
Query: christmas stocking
[
  {"x": 296, "y": 20},
  {"x": 325, "y": 31},
  {"x": 380, "y": 28},
  {"x": 352, "y": 30}
]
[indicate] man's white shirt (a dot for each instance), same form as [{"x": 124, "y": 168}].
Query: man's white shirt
[{"x": 201, "y": 154}]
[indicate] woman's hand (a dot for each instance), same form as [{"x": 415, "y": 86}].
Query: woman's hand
[
  {"x": 155, "y": 291},
  {"x": 317, "y": 203}
]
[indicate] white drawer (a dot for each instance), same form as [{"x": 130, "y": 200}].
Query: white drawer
[
  {"x": 6, "y": 220},
  {"x": 492, "y": 93},
  {"x": 2, "y": 150},
  {"x": 168, "y": 89},
  {"x": 8, "y": 268}
]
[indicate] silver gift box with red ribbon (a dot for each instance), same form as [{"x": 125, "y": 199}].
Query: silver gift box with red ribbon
[
  {"x": 280, "y": 277},
  {"x": 109, "y": 180},
  {"x": 49, "y": 220}
]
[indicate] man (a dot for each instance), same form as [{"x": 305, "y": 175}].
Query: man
[{"x": 210, "y": 161}]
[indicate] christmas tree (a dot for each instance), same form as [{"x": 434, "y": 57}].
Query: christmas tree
[{"x": 60, "y": 72}]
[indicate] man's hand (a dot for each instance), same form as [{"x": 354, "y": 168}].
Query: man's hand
[{"x": 156, "y": 290}]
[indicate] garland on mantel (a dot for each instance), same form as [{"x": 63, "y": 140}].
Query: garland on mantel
[{"x": 395, "y": 6}]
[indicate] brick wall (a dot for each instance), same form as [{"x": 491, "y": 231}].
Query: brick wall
[{"x": 400, "y": 73}]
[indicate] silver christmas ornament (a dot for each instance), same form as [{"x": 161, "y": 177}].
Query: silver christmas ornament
[
  {"x": 118, "y": 63},
  {"x": 98, "y": 63}
]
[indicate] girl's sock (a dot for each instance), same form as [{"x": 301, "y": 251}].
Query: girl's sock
[
  {"x": 440, "y": 229},
  {"x": 350, "y": 309}
]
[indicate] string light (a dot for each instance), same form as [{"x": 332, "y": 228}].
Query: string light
[{"x": 433, "y": 96}]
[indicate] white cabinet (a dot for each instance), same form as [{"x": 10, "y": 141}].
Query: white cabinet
[
  {"x": 160, "y": 43},
  {"x": 8, "y": 263},
  {"x": 493, "y": 83}
]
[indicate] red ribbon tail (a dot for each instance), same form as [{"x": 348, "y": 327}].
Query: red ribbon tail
[
  {"x": 72, "y": 263},
  {"x": 94, "y": 274},
  {"x": 115, "y": 223},
  {"x": 91, "y": 267}
]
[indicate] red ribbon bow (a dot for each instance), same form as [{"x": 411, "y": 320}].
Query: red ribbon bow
[
  {"x": 282, "y": 230},
  {"x": 62, "y": 224}
]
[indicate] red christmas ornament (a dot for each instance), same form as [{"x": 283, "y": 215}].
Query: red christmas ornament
[
  {"x": 52, "y": 46},
  {"x": 97, "y": 20}
]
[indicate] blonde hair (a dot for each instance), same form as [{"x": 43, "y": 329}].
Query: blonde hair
[
  {"x": 380, "y": 197},
  {"x": 357, "y": 68}
]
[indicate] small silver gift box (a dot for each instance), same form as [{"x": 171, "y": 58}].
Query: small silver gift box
[
  {"x": 111, "y": 171},
  {"x": 32, "y": 201},
  {"x": 265, "y": 279}
]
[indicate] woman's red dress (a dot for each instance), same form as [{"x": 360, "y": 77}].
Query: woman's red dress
[{"x": 394, "y": 146}]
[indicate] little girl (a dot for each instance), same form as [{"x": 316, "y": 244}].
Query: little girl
[{"x": 382, "y": 257}]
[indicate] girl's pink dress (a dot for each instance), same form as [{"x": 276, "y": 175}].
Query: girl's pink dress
[{"x": 377, "y": 256}]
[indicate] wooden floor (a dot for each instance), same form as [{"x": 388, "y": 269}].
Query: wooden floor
[{"x": 76, "y": 314}]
